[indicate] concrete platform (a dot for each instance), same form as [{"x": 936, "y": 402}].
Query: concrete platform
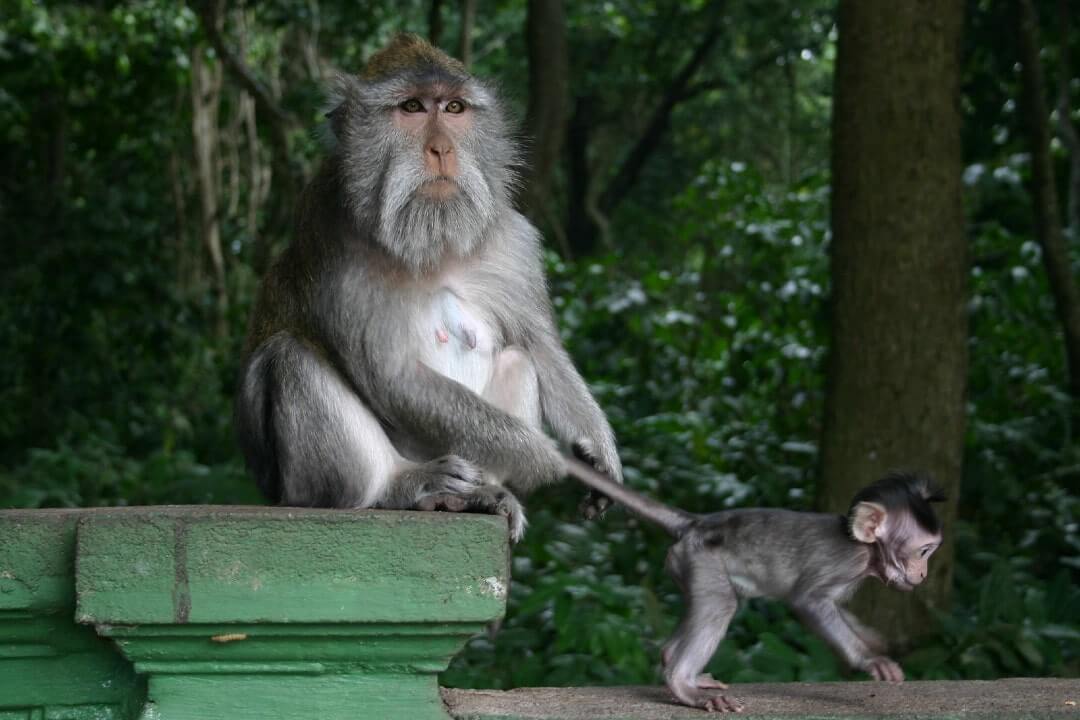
[{"x": 1012, "y": 699}]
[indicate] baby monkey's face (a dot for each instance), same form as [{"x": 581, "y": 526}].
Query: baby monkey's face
[
  {"x": 904, "y": 544},
  {"x": 911, "y": 559}
]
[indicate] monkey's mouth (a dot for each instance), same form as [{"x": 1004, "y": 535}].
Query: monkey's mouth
[{"x": 442, "y": 187}]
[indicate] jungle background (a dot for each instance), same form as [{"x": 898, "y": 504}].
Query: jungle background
[{"x": 750, "y": 282}]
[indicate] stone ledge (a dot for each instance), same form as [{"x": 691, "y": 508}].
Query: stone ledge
[{"x": 1012, "y": 699}]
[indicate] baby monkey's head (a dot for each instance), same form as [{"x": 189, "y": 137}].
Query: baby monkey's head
[{"x": 895, "y": 514}]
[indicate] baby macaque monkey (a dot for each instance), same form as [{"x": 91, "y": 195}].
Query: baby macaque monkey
[{"x": 812, "y": 561}]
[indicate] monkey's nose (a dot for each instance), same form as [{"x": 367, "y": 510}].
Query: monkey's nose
[
  {"x": 439, "y": 153},
  {"x": 440, "y": 148}
]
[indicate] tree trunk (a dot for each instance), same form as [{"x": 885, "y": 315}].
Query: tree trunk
[
  {"x": 1044, "y": 195},
  {"x": 468, "y": 20},
  {"x": 897, "y": 365},
  {"x": 205, "y": 95},
  {"x": 435, "y": 22},
  {"x": 1066, "y": 130},
  {"x": 549, "y": 69},
  {"x": 581, "y": 230}
]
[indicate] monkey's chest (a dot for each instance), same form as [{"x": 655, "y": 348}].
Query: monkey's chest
[{"x": 457, "y": 339}]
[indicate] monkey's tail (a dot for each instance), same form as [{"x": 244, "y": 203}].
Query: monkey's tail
[{"x": 673, "y": 520}]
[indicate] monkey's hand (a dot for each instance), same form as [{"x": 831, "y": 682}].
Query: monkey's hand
[
  {"x": 883, "y": 668},
  {"x": 604, "y": 460}
]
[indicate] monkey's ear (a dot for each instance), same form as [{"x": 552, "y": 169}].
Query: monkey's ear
[
  {"x": 868, "y": 522},
  {"x": 341, "y": 88}
]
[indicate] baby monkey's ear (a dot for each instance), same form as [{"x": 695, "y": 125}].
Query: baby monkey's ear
[{"x": 868, "y": 522}]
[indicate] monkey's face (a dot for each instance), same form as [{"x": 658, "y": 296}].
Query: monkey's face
[
  {"x": 435, "y": 119},
  {"x": 904, "y": 545},
  {"x": 426, "y": 159},
  {"x": 908, "y": 555}
]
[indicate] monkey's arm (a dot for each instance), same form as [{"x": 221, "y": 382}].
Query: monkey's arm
[
  {"x": 826, "y": 618},
  {"x": 569, "y": 408},
  {"x": 450, "y": 418}
]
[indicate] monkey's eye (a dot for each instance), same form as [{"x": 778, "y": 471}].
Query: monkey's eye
[
  {"x": 455, "y": 107},
  {"x": 412, "y": 105}
]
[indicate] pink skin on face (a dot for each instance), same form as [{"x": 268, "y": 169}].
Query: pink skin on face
[{"x": 437, "y": 117}]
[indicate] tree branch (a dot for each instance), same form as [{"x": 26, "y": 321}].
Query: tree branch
[
  {"x": 703, "y": 86},
  {"x": 631, "y": 167},
  {"x": 211, "y": 14}
]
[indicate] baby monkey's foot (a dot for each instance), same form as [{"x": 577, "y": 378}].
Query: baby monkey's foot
[
  {"x": 706, "y": 680},
  {"x": 701, "y": 694},
  {"x": 720, "y": 703}
]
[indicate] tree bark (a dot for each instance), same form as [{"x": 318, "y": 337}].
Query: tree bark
[
  {"x": 435, "y": 22},
  {"x": 1044, "y": 194},
  {"x": 549, "y": 70},
  {"x": 1066, "y": 129},
  {"x": 468, "y": 20},
  {"x": 205, "y": 95},
  {"x": 581, "y": 230},
  {"x": 897, "y": 366}
]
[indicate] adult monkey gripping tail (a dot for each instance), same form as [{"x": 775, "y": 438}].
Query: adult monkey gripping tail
[{"x": 402, "y": 351}]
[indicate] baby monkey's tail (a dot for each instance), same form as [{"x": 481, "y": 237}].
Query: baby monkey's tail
[{"x": 673, "y": 520}]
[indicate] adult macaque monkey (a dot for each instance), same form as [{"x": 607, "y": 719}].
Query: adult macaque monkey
[
  {"x": 812, "y": 561},
  {"x": 402, "y": 351}
]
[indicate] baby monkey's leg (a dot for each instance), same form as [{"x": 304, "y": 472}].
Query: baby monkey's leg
[{"x": 710, "y": 604}]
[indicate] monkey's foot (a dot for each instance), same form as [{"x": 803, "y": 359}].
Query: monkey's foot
[
  {"x": 710, "y": 701},
  {"x": 721, "y": 703},
  {"x": 491, "y": 499},
  {"x": 699, "y": 695},
  {"x": 706, "y": 680},
  {"x": 883, "y": 668}
]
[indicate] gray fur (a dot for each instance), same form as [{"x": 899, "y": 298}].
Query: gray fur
[
  {"x": 402, "y": 352},
  {"x": 808, "y": 560}
]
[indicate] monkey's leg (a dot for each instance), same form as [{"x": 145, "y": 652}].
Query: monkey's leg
[
  {"x": 827, "y": 620},
  {"x": 514, "y": 387},
  {"x": 307, "y": 436},
  {"x": 710, "y": 604}
]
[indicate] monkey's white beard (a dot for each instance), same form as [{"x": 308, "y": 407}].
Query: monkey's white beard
[{"x": 421, "y": 230}]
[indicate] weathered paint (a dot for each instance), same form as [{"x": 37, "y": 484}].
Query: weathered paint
[
  {"x": 252, "y": 565},
  {"x": 246, "y": 613},
  {"x": 49, "y": 666}
]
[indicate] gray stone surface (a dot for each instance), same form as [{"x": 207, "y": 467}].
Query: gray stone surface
[{"x": 1012, "y": 699}]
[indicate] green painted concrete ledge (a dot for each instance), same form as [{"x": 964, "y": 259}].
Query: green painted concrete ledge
[{"x": 197, "y": 613}]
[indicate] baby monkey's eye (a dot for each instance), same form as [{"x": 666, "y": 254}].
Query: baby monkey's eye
[
  {"x": 412, "y": 105},
  {"x": 455, "y": 107}
]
